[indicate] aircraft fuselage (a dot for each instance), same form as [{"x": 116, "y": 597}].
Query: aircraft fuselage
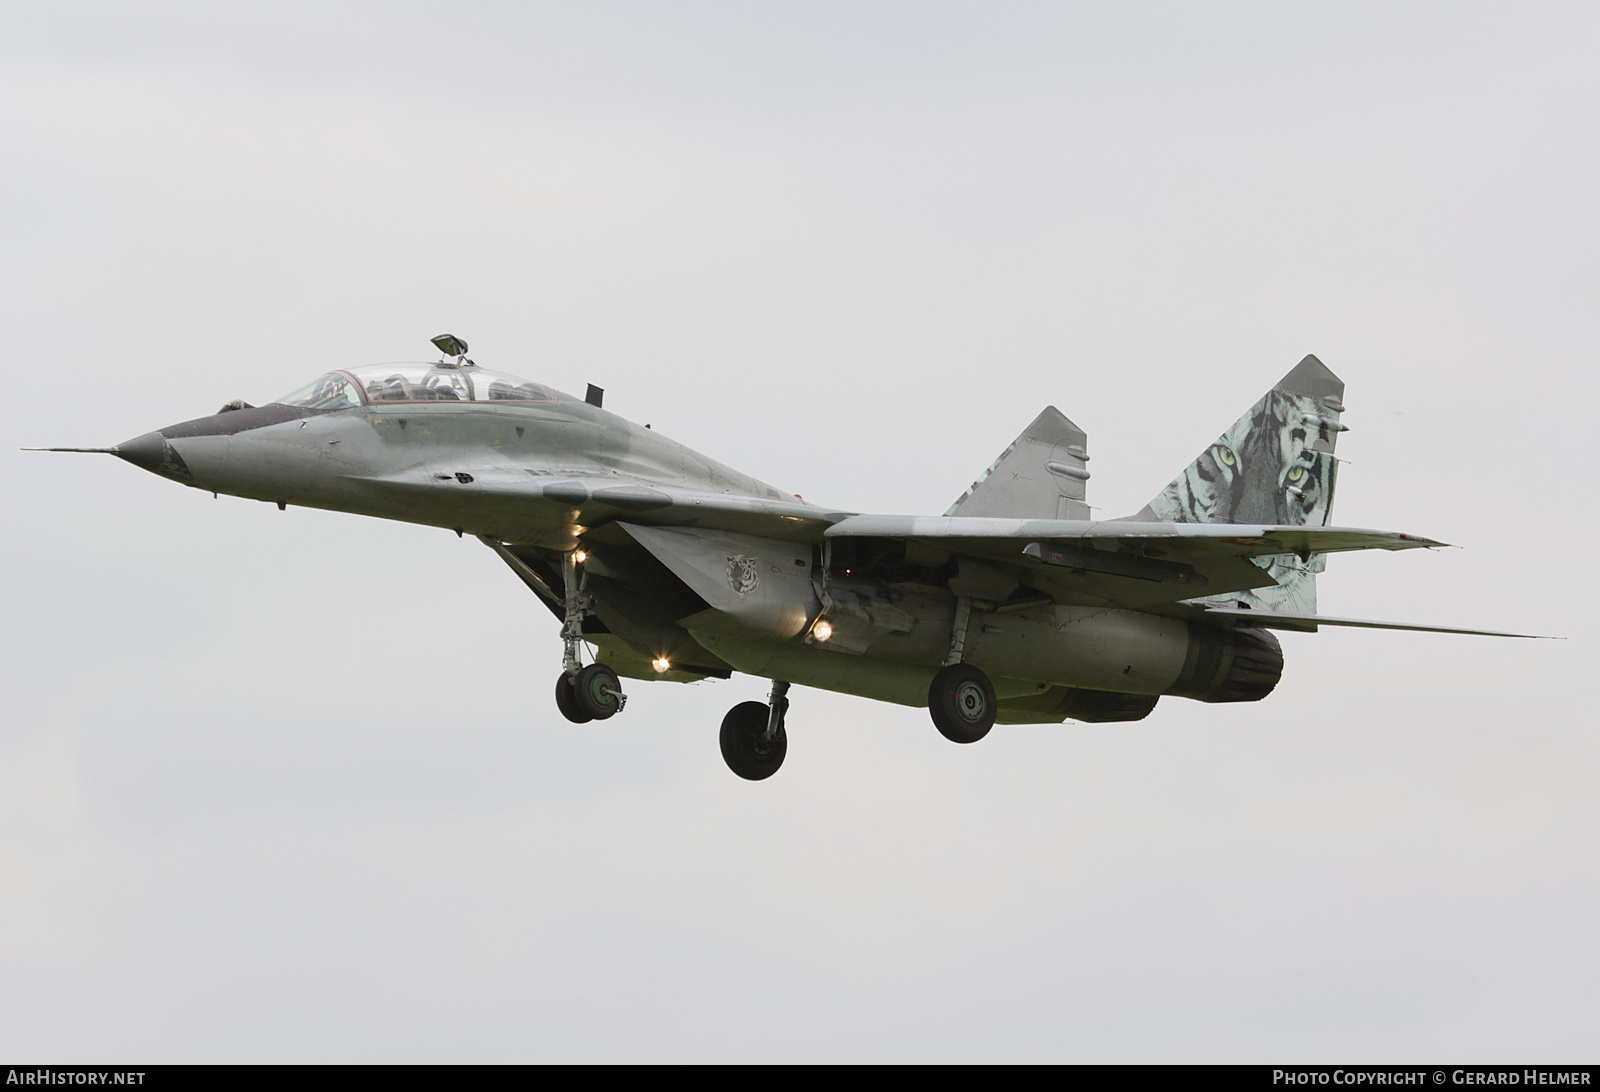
[{"x": 1015, "y": 606}]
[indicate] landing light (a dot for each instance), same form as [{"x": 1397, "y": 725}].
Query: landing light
[
  {"x": 822, "y": 631},
  {"x": 580, "y": 557},
  {"x": 661, "y": 664}
]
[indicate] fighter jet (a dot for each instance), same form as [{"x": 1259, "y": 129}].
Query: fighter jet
[{"x": 1015, "y": 606}]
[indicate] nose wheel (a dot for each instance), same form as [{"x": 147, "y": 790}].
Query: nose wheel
[
  {"x": 594, "y": 694},
  {"x": 567, "y": 700},
  {"x": 753, "y": 740}
]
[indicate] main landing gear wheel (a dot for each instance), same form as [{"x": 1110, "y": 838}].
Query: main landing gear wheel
[
  {"x": 962, "y": 703},
  {"x": 597, "y": 693},
  {"x": 745, "y": 747}
]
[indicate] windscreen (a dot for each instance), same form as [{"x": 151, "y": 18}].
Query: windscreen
[{"x": 336, "y": 390}]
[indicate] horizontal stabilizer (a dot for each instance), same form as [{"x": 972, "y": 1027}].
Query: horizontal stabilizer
[{"x": 1275, "y": 619}]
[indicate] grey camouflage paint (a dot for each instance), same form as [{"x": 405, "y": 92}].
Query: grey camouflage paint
[{"x": 707, "y": 570}]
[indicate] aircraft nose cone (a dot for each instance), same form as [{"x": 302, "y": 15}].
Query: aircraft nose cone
[
  {"x": 152, "y": 452},
  {"x": 147, "y": 452}
]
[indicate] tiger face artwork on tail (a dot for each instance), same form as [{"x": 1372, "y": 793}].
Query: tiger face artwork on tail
[
  {"x": 1265, "y": 469},
  {"x": 1274, "y": 466}
]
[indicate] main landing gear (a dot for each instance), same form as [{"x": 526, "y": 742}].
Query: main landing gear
[
  {"x": 753, "y": 740},
  {"x": 582, "y": 693},
  {"x": 961, "y": 699},
  {"x": 962, "y": 703}
]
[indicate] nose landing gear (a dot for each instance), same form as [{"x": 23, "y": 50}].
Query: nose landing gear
[
  {"x": 567, "y": 700},
  {"x": 753, "y": 740},
  {"x": 582, "y": 693}
]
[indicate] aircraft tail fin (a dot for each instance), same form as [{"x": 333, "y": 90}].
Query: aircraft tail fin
[
  {"x": 1042, "y": 475},
  {"x": 1274, "y": 466}
]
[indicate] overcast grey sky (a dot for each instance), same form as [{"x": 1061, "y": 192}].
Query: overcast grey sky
[{"x": 290, "y": 786}]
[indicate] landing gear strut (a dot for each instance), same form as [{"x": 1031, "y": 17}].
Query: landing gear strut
[
  {"x": 961, "y": 699},
  {"x": 752, "y": 737},
  {"x": 582, "y": 693}
]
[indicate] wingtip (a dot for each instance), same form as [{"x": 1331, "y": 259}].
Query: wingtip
[{"x": 1413, "y": 541}]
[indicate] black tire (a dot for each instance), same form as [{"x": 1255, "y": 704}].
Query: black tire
[
  {"x": 744, "y": 745},
  {"x": 962, "y": 703},
  {"x": 598, "y": 692},
  {"x": 567, "y": 701}
]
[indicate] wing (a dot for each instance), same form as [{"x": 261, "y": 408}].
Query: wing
[
  {"x": 1125, "y": 563},
  {"x": 1190, "y": 539},
  {"x": 1121, "y": 563}
]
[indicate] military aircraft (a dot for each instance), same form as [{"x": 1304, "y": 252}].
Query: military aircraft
[{"x": 1015, "y": 606}]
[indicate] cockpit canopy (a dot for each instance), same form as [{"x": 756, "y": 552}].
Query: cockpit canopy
[{"x": 414, "y": 383}]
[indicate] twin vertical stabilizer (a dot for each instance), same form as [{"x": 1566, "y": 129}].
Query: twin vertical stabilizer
[
  {"x": 1275, "y": 466},
  {"x": 1042, "y": 475}
]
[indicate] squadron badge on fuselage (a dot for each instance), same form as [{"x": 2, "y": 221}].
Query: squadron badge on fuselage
[{"x": 742, "y": 575}]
